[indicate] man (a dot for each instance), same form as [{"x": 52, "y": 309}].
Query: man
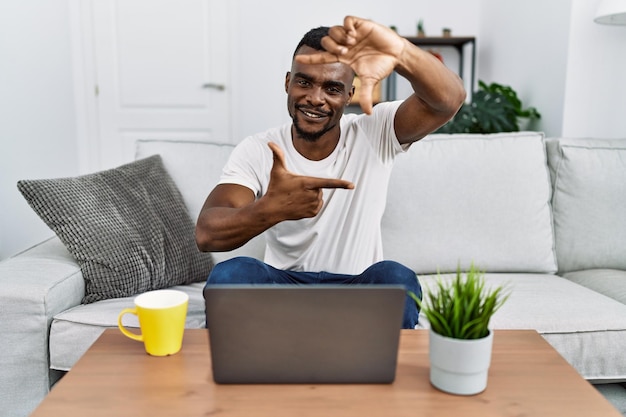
[{"x": 317, "y": 187}]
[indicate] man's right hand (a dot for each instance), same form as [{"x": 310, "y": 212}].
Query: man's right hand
[
  {"x": 231, "y": 216},
  {"x": 292, "y": 196}
]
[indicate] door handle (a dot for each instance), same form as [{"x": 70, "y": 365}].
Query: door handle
[{"x": 214, "y": 86}]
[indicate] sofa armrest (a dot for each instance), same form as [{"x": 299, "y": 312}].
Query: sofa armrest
[{"x": 34, "y": 286}]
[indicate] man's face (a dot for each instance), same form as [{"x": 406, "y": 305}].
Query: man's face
[{"x": 317, "y": 95}]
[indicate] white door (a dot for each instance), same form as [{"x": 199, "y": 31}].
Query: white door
[{"x": 159, "y": 70}]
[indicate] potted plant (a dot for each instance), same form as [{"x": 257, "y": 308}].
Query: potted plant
[
  {"x": 459, "y": 313},
  {"x": 420, "y": 29},
  {"x": 494, "y": 108}
]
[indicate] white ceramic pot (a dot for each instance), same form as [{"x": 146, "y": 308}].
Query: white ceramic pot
[{"x": 459, "y": 366}]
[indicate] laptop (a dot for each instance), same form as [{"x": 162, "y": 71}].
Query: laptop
[{"x": 310, "y": 334}]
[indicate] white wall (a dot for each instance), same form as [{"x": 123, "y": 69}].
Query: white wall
[
  {"x": 37, "y": 123},
  {"x": 552, "y": 53},
  {"x": 525, "y": 45},
  {"x": 595, "y": 95}
]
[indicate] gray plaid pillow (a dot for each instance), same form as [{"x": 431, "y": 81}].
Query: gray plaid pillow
[{"x": 127, "y": 227}]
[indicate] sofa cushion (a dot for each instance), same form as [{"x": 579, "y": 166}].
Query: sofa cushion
[
  {"x": 610, "y": 282},
  {"x": 589, "y": 190},
  {"x": 196, "y": 168},
  {"x": 74, "y": 330},
  {"x": 454, "y": 199},
  {"x": 587, "y": 328},
  {"x": 127, "y": 228}
]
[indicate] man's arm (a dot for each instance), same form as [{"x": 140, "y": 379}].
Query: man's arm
[
  {"x": 231, "y": 215},
  {"x": 438, "y": 94},
  {"x": 374, "y": 51},
  {"x": 228, "y": 219}
]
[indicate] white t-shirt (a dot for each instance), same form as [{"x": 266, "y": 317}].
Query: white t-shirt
[{"x": 345, "y": 236}]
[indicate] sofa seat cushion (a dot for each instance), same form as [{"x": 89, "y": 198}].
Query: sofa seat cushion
[
  {"x": 610, "y": 282},
  {"x": 73, "y": 331},
  {"x": 589, "y": 198},
  {"x": 587, "y": 328},
  {"x": 458, "y": 199}
]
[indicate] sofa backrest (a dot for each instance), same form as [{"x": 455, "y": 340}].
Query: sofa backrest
[
  {"x": 589, "y": 202},
  {"x": 460, "y": 199},
  {"x": 453, "y": 200},
  {"x": 196, "y": 168}
]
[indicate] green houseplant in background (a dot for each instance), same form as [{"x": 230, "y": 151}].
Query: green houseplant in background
[
  {"x": 460, "y": 342},
  {"x": 494, "y": 108}
]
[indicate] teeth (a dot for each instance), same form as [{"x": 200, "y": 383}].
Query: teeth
[{"x": 311, "y": 114}]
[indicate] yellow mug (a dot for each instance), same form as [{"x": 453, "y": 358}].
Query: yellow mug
[{"x": 162, "y": 315}]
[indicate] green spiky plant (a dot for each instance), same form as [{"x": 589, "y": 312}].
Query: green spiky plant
[{"x": 462, "y": 308}]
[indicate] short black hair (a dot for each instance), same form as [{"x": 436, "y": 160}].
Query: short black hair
[{"x": 313, "y": 39}]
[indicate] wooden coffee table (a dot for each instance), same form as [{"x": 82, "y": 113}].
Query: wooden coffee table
[{"x": 117, "y": 378}]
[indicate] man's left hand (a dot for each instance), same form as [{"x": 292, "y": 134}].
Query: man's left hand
[{"x": 370, "y": 49}]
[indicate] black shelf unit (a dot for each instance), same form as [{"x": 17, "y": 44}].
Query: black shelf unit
[{"x": 456, "y": 42}]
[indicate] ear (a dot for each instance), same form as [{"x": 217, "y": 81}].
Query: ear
[
  {"x": 287, "y": 79},
  {"x": 350, "y": 95}
]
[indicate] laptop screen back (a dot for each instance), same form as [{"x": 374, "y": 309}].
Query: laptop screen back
[{"x": 304, "y": 333}]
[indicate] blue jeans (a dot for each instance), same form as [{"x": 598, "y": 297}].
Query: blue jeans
[{"x": 244, "y": 270}]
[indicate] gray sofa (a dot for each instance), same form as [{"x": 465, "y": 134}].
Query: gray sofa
[{"x": 546, "y": 217}]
